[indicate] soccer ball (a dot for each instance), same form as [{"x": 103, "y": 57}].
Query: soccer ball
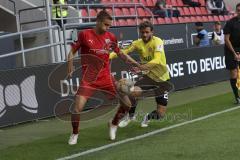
[{"x": 125, "y": 86}]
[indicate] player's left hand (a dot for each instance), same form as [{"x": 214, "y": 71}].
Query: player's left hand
[{"x": 143, "y": 68}]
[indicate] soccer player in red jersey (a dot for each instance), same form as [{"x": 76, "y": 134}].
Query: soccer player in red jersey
[{"x": 95, "y": 46}]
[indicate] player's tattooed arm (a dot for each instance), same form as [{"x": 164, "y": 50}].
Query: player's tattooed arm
[
  {"x": 70, "y": 62},
  {"x": 128, "y": 59}
]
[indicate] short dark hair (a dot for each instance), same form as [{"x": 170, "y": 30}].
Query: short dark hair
[
  {"x": 238, "y": 5},
  {"x": 145, "y": 24},
  {"x": 200, "y": 24},
  {"x": 103, "y": 15},
  {"x": 217, "y": 23}
]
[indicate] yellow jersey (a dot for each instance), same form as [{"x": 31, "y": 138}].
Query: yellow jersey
[{"x": 150, "y": 52}]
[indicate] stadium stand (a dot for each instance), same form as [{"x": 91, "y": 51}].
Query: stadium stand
[{"x": 131, "y": 12}]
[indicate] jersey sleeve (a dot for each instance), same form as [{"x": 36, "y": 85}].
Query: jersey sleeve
[
  {"x": 114, "y": 43},
  {"x": 126, "y": 50},
  {"x": 76, "y": 45},
  {"x": 159, "y": 50},
  {"x": 132, "y": 47}
]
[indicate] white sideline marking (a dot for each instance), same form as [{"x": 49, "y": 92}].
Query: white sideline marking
[{"x": 146, "y": 135}]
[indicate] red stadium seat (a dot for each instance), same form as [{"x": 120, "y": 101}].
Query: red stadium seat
[
  {"x": 210, "y": 18},
  {"x": 131, "y": 22},
  {"x": 174, "y": 20},
  {"x": 121, "y": 1},
  {"x": 133, "y": 11},
  {"x": 155, "y": 21},
  {"x": 84, "y": 13},
  {"x": 109, "y": 10},
  {"x": 150, "y": 3},
  {"x": 181, "y": 11},
  {"x": 187, "y": 19},
  {"x": 118, "y": 12},
  {"x": 215, "y": 18},
  {"x": 198, "y": 11},
  {"x": 174, "y": 2},
  {"x": 203, "y": 3},
  {"x": 205, "y": 18},
  {"x": 92, "y": 13},
  {"x": 168, "y": 20},
  {"x": 148, "y": 13},
  {"x": 180, "y": 3},
  {"x": 99, "y": 10},
  {"x": 126, "y": 11},
  {"x": 141, "y": 12},
  {"x": 193, "y": 19},
  {"x": 116, "y": 23},
  {"x": 161, "y": 20},
  {"x": 109, "y": 1},
  {"x": 204, "y": 11},
  {"x": 143, "y": 2},
  {"x": 221, "y": 18},
  {"x": 104, "y": 1},
  {"x": 192, "y": 11},
  {"x": 199, "y": 19},
  {"x": 135, "y": 1},
  {"x": 181, "y": 20},
  {"x": 122, "y": 22},
  {"x": 186, "y": 11},
  {"x": 139, "y": 20},
  {"x": 167, "y": 1}
]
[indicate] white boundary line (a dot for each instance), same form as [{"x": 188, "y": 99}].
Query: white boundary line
[{"x": 145, "y": 135}]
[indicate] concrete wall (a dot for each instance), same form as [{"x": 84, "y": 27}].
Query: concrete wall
[
  {"x": 8, "y": 22},
  {"x": 36, "y": 57}
]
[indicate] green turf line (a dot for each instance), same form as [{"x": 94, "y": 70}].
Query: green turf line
[
  {"x": 93, "y": 137},
  {"x": 26, "y": 133},
  {"x": 213, "y": 138}
]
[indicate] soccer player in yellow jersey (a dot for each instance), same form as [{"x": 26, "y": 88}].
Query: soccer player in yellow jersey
[{"x": 155, "y": 79}]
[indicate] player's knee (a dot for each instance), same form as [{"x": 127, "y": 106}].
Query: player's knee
[
  {"x": 162, "y": 100},
  {"x": 136, "y": 92},
  {"x": 76, "y": 110},
  {"x": 125, "y": 101},
  {"x": 133, "y": 101}
]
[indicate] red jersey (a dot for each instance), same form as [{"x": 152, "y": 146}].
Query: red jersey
[{"x": 94, "y": 53}]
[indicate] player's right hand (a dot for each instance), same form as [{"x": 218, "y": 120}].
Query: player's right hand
[
  {"x": 135, "y": 70},
  {"x": 237, "y": 56}
]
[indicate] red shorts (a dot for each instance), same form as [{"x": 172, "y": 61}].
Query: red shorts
[{"x": 105, "y": 85}]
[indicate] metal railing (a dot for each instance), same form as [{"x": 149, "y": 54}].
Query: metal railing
[
  {"x": 101, "y": 6},
  {"x": 89, "y": 18},
  {"x": 63, "y": 42},
  {"x": 23, "y": 50}
]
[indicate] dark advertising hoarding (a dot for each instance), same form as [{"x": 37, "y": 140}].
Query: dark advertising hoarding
[
  {"x": 34, "y": 92},
  {"x": 37, "y": 92}
]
